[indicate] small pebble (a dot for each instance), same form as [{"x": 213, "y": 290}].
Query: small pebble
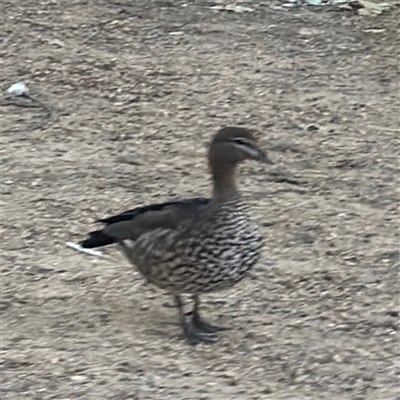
[{"x": 79, "y": 378}]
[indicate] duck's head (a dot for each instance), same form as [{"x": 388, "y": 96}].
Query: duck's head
[{"x": 232, "y": 145}]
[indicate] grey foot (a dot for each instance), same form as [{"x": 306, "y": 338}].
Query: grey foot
[
  {"x": 205, "y": 327},
  {"x": 196, "y": 330},
  {"x": 195, "y": 336}
]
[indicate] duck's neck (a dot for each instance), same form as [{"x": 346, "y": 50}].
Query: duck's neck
[{"x": 224, "y": 178}]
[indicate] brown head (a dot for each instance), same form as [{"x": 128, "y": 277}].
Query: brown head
[{"x": 229, "y": 147}]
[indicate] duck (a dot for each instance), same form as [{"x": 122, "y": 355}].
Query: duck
[{"x": 198, "y": 245}]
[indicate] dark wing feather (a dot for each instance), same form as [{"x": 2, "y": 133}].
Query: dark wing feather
[
  {"x": 131, "y": 214},
  {"x": 132, "y": 223}
]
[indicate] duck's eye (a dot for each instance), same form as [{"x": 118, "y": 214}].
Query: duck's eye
[{"x": 242, "y": 142}]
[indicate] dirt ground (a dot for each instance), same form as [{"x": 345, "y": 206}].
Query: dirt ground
[{"x": 132, "y": 92}]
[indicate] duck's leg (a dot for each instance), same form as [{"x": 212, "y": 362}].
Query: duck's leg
[
  {"x": 198, "y": 323},
  {"x": 192, "y": 334}
]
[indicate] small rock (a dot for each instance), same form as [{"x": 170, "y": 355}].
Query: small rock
[
  {"x": 312, "y": 128},
  {"x": 79, "y": 378},
  {"x": 308, "y": 31},
  {"x": 55, "y": 294}
]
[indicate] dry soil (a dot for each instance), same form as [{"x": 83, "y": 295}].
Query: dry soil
[{"x": 128, "y": 94}]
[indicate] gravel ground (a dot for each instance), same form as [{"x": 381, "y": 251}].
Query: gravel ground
[{"x": 131, "y": 92}]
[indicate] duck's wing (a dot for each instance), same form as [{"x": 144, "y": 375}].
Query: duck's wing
[{"x": 133, "y": 223}]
